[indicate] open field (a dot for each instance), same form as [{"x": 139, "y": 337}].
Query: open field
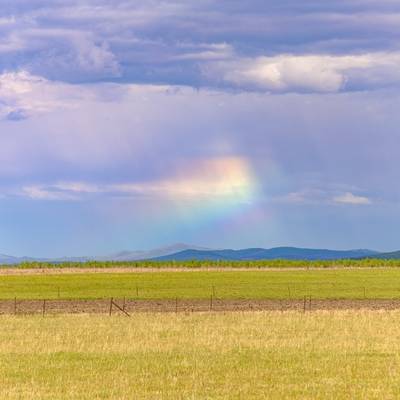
[
  {"x": 274, "y": 355},
  {"x": 320, "y": 284}
]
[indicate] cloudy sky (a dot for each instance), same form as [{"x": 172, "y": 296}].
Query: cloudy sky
[{"x": 224, "y": 123}]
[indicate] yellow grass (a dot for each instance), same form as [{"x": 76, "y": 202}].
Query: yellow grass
[{"x": 263, "y": 355}]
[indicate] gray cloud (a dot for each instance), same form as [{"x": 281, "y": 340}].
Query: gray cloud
[
  {"x": 310, "y": 73},
  {"x": 172, "y": 42}
]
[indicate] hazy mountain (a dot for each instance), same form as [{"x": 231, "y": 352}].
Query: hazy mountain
[
  {"x": 11, "y": 260},
  {"x": 150, "y": 254},
  {"x": 288, "y": 253},
  {"x": 5, "y": 259},
  {"x": 393, "y": 255}
]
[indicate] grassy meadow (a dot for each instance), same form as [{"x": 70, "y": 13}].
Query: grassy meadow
[
  {"x": 259, "y": 355},
  {"x": 323, "y": 284}
]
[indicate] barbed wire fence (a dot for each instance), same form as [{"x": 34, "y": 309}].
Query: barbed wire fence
[{"x": 282, "y": 296}]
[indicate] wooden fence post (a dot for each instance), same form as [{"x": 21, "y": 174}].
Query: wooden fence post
[
  {"x": 304, "y": 304},
  {"x": 211, "y": 302},
  {"x": 44, "y": 308},
  {"x": 111, "y": 304},
  {"x": 176, "y": 305},
  {"x": 15, "y": 306}
]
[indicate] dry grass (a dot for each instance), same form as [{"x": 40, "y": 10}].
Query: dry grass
[{"x": 260, "y": 355}]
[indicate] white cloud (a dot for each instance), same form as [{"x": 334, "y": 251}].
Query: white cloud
[
  {"x": 324, "y": 196},
  {"x": 7, "y": 21},
  {"x": 23, "y": 95},
  {"x": 302, "y": 197},
  {"x": 77, "y": 187},
  {"x": 224, "y": 177},
  {"x": 350, "y": 198},
  {"x": 309, "y": 73},
  {"x": 39, "y": 193},
  {"x": 212, "y": 51}
]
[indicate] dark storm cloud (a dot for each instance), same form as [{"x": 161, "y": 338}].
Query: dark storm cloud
[{"x": 174, "y": 42}]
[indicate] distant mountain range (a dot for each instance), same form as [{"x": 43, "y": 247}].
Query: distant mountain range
[
  {"x": 185, "y": 252},
  {"x": 11, "y": 260},
  {"x": 287, "y": 253}
]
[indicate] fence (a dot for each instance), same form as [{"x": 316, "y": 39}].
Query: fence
[{"x": 128, "y": 307}]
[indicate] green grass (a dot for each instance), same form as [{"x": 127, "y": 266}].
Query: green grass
[
  {"x": 382, "y": 283},
  {"x": 267, "y": 355}
]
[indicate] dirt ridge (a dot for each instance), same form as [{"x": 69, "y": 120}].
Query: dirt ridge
[{"x": 102, "y": 306}]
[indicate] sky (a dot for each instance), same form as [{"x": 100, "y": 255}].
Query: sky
[{"x": 130, "y": 125}]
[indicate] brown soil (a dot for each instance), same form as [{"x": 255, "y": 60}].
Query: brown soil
[{"x": 131, "y": 306}]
